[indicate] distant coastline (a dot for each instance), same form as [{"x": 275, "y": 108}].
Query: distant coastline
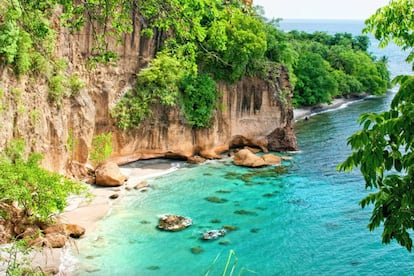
[{"x": 305, "y": 113}]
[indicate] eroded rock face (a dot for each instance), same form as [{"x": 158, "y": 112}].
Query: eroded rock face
[
  {"x": 256, "y": 113},
  {"x": 109, "y": 175},
  {"x": 174, "y": 223}
]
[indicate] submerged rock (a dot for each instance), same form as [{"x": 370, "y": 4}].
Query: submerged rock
[
  {"x": 230, "y": 228},
  {"x": 245, "y": 212},
  {"x": 174, "y": 223},
  {"x": 216, "y": 199},
  {"x": 215, "y": 221},
  {"x": 197, "y": 250},
  {"x": 213, "y": 234},
  {"x": 153, "y": 267}
]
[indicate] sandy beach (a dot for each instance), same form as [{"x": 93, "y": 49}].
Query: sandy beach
[
  {"x": 307, "y": 112},
  {"x": 88, "y": 214}
]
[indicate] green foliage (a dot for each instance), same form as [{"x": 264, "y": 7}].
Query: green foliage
[
  {"x": 34, "y": 117},
  {"x": 57, "y": 87},
  {"x": 315, "y": 83},
  {"x": 37, "y": 192},
  {"x": 199, "y": 98},
  {"x": 348, "y": 68},
  {"x": 158, "y": 83},
  {"x": 101, "y": 148},
  {"x": 71, "y": 142},
  {"x": 76, "y": 85},
  {"x": 394, "y": 23},
  {"x": 25, "y": 33},
  {"x": 109, "y": 19},
  {"x": 384, "y": 148},
  {"x": 17, "y": 259},
  {"x": 9, "y": 38},
  {"x": 222, "y": 39}
]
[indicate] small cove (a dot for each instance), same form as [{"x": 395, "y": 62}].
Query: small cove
[{"x": 304, "y": 220}]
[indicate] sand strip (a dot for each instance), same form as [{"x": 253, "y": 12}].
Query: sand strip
[
  {"x": 306, "y": 112},
  {"x": 88, "y": 214}
]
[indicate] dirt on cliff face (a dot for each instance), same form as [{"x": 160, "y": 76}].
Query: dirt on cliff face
[{"x": 252, "y": 108}]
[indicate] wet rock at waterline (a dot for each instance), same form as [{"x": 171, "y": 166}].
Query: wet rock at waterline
[
  {"x": 247, "y": 158},
  {"x": 141, "y": 185},
  {"x": 173, "y": 223}
]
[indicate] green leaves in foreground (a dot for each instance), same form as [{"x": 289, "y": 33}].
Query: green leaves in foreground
[
  {"x": 39, "y": 193},
  {"x": 384, "y": 152},
  {"x": 383, "y": 149}
]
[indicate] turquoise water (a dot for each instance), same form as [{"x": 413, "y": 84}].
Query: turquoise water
[
  {"x": 301, "y": 218},
  {"x": 304, "y": 221}
]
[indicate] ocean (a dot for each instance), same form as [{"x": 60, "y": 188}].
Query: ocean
[{"x": 302, "y": 218}]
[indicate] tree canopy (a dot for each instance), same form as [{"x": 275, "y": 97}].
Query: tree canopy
[
  {"x": 384, "y": 148},
  {"x": 347, "y": 67}
]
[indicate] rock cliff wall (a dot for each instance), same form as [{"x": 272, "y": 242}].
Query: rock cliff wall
[{"x": 252, "y": 111}]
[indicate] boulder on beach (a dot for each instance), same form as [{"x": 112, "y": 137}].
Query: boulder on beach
[
  {"x": 173, "y": 223},
  {"x": 55, "y": 240},
  {"x": 109, "y": 175},
  {"x": 141, "y": 185},
  {"x": 69, "y": 230}
]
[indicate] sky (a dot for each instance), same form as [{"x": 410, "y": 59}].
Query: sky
[{"x": 320, "y": 9}]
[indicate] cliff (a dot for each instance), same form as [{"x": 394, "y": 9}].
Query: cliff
[{"x": 252, "y": 112}]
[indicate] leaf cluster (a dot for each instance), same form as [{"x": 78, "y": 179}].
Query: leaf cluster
[
  {"x": 384, "y": 148},
  {"x": 38, "y": 193},
  {"x": 101, "y": 148},
  {"x": 26, "y": 37},
  {"x": 198, "y": 99}
]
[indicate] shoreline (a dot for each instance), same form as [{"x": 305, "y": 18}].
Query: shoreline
[
  {"x": 305, "y": 112},
  {"x": 58, "y": 261}
]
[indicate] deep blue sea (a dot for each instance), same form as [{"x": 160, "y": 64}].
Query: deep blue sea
[{"x": 299, "y": 219}]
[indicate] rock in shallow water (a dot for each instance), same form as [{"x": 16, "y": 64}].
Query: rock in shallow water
[
  {"x": 174, "y": 223},
  {"x": 213, "y": 234}
]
